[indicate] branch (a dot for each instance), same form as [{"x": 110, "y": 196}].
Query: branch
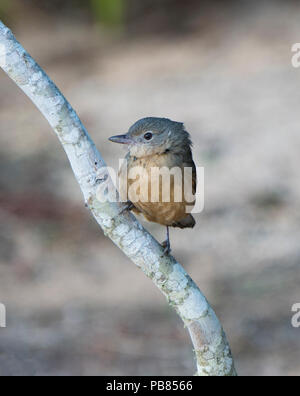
[{"x": 211, "y": 347}]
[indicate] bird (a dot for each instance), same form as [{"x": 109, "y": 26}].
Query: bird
[{"x": 159, "y": 143}]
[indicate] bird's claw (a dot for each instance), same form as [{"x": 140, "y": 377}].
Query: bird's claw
[
  {"x": 127, "y": 208},
  {"x": 167, "y": 248}
]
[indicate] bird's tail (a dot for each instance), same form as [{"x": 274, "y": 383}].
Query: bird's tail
[{"x": 187, "y": 222}]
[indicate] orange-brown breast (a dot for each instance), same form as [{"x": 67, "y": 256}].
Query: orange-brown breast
[{"x": 164, "y": 213}]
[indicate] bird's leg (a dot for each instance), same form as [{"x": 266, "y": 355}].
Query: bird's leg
[
  {"x": 167, "y": 244},
  {"x": 127, "y": 208}
]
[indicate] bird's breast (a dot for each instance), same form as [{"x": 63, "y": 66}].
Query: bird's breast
[{"x": 155, "y": 186}]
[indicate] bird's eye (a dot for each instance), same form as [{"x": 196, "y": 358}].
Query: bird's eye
[{"x": 148, "y": 136}]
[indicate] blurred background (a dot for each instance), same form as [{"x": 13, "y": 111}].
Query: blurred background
[{"x": 75, "y": 304}]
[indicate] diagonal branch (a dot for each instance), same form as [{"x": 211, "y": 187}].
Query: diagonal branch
[{"x": 211, "y": 347}]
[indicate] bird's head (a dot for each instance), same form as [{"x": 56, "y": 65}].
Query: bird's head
[{"x": 154, "y": 136}]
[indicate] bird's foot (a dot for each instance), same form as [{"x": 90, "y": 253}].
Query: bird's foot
[
  {"x": 167, "y": 248},
  {"x": 127, "y": 207}
]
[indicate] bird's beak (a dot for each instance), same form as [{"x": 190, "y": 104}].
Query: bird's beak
[{"x": 122, "y": 139}]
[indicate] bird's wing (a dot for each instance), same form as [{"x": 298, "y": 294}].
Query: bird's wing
[{"x": 190, "y": 164}]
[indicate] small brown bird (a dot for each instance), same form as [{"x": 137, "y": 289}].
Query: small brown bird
[{"x": 160, "y": 143}]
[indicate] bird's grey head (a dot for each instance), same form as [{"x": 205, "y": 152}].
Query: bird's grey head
[{"x": 151, "y": 136}]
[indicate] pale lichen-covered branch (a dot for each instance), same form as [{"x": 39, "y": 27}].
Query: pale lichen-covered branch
[{"x": 211, "y": 347}]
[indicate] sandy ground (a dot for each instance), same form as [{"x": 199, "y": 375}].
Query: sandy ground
[{"x": 75, "y": 304}]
